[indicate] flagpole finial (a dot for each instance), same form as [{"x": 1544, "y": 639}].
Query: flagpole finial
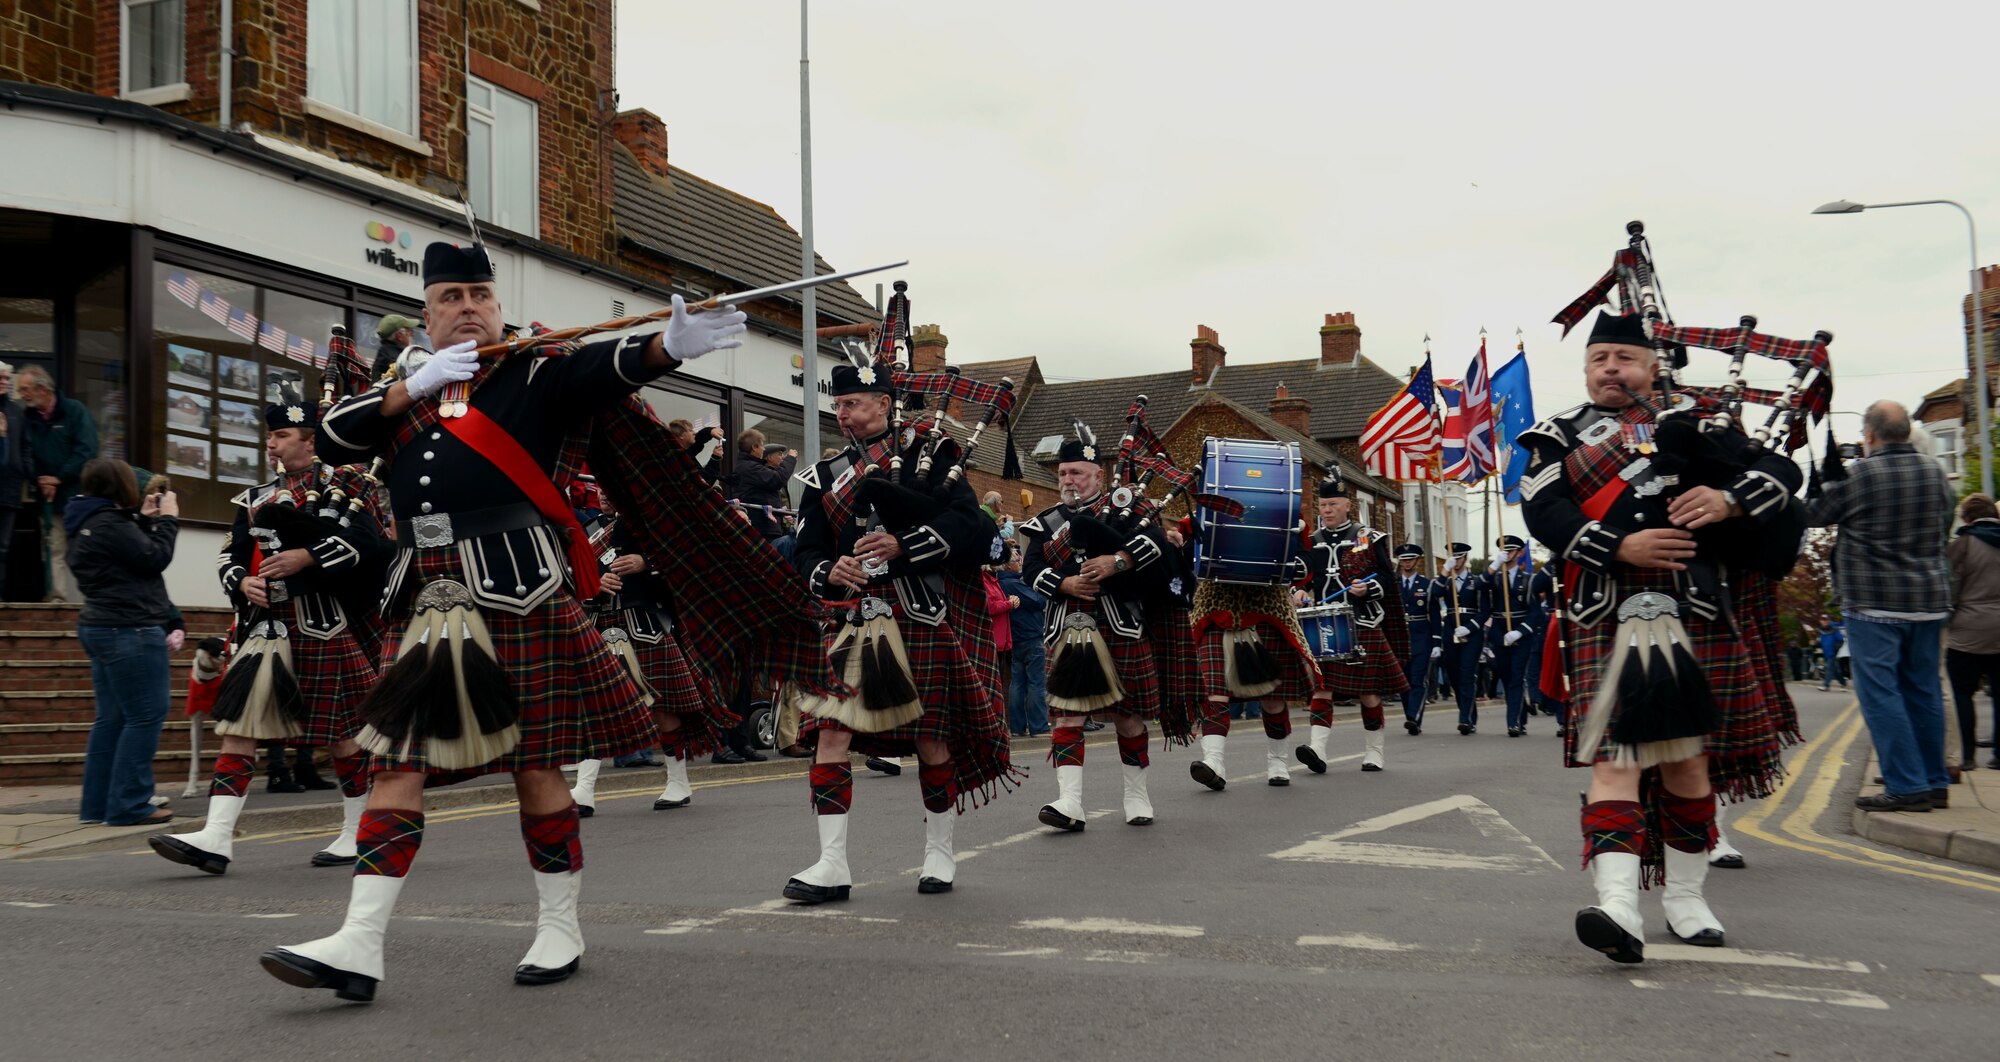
[{"x": 1482, "y": 331}]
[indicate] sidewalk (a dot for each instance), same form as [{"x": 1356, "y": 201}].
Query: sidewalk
[{"x": 1966, "y": 832}]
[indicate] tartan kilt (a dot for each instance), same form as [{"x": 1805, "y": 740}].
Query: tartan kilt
[
  {"x": 334, "y": 675},
  {"x": 683, "y": 695},
  {"x": 576, "y": 700},
  {"x": 949, "y": 665},
  {"x": 1755, "y": 601},
  {"x": 1743, "y": 756},
  {"x": 1378, "y": 672},
  {"x": 1296, "y": 670},
  {"x": 1177, "y": 665}
]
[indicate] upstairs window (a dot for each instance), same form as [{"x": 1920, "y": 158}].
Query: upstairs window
[
  {"x": 155, "y": 49},
  {"x": 361, "y": 58},
  {"x": 501, "y": 154}
]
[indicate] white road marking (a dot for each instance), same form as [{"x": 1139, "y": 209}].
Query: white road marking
[
  {"x": 1838, "y": 997},
  {"x": 788, "y": 909},
  {"x": 997, "y": 952},
  {"x": 282, "y": 915},
  {"x": 1111, "y": 925},
  {"x": 1017, "y": 838},
  {"x": 1739, "y": 957},
  {"x": 1129, "y": 958},
  {"x": 683, "y": 925},
  {"x": 1335, "y": 848},
  {"x": 1992, "y": 979},
  {"x": 1294, "y": 768},
  {"x": 24, "y": 903},
  {"x": 1361, "y": 941}
]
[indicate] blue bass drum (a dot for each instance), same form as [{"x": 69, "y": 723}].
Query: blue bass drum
[
  {"x": 1257, "y": 547},
  {"x": 1329, "y": 631}
]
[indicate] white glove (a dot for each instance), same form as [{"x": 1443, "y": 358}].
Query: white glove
[
  {"x": 1512, "y": 637},
  {"x": 454, "y": 364},
  {"x": 690, "y": 335},
  {"x": 1486, "y": 653},
  {"x": 1462, "y": 632},
  {"x": 1437, "y": 651}
]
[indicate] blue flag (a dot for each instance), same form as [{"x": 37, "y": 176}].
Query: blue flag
[{"x": 1513, "y": 413}]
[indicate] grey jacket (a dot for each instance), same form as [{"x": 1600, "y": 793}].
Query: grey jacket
[
  {"x": 1975, "y": 589},
  {"x": 1893, "y": 508}
]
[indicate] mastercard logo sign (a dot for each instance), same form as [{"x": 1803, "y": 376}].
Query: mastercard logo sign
[{"x": 388, "y": 234}]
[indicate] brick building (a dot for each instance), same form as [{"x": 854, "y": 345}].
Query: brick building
[
  {"x": 183, "y": 222},
  {"x": 1946, "y": 411}
]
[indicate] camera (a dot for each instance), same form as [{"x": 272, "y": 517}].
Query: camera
[{"x": 1849, "y": 451}]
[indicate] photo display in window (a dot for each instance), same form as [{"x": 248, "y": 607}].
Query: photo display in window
[
  {"x": 187, "y": 457},
  {"x": 239, "y": 377},
  {"x": 189, "y": 367},
  {"x": 240, "y": 464}
]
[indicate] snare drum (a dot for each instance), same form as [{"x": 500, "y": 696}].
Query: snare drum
[
  {"x": 1257, "y": 547},
  {"x": 1329, "y": 631}
]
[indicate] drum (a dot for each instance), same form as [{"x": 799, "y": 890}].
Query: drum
[
  {"x": 1258, "y": 546},
  {"x": 1329, "y": 631}
]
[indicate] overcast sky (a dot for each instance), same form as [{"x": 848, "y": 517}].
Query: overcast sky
[{"x": 1088, "y": 181}]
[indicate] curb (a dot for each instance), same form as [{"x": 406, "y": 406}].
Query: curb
[{"x": 1946, "y": 837}]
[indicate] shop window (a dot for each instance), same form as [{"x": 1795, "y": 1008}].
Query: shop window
[
  {"x": 361, "y": 57},
  {"x": 155, "y": 47},
  {"x": 501, "y": 135},
  {"x": 370, "y": 347},
  {"x": 100, "y": 361},
  {"x": 699, "y": 412},
  {"x": 225, "y": 349}
]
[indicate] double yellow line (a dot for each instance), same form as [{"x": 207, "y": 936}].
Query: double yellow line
[{"x": 1816, "y": 774}]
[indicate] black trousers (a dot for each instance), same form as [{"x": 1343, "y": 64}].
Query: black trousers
[{"x": 1965, "y": 670}]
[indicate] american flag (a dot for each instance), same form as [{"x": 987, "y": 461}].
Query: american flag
[
  {"x": 1468, "y": 423},
  {"x": 215, "y": 307},
  {"x": 243, "y": 323},
  {"x": 1401, "y": 439},
  {"x": 182, "y": 287},
  {"x": 300, "y": 350},
  {"x": 273, "y": 338}
]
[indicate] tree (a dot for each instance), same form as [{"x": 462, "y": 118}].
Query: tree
[{"x": 1807, "y": 593}]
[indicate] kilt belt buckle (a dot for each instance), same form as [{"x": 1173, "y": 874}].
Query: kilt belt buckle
[
  {"x": 1080, "y": 621},
  {"x": 875, "y": 608},
  {"x": 432, "y": 531},
  {"x": 1648, "y": 605},
  {"x": 613, "y": 635},
  {"x": 443, "y": 594},
  {"x": 269, "y": 628}
]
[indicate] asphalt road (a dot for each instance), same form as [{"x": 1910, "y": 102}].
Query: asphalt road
[{"x": 1421, "y": 911}]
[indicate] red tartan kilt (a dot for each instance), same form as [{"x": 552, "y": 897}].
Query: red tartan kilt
[
  {"x": 576, "y": 700},
  {"x": 334, "y": 675},
  {"x": 1176, "y": 662},
  {"x": 1726, "y": 662},
  {"x": 1296, "y": 673},
  {"x": 1378, "y": 671},
  {"x": 698, "y": 715}
]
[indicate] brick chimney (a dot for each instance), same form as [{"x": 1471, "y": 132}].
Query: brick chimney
[
  {"x": 1208, "y": 354},
  {"x": 1989, "y": 301},
  {"x": 1293, "y": 413},
  {"x": 1339, "y": 340},
  {"x": 927, "y": 343},
  {"x": 645, "y": 134}
]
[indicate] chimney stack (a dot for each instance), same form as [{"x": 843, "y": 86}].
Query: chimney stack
[
  {"x": 1293, "y": 413},
  {"x": 1208, "y": 354},
  {"x": 927, "y": 343},
  {"x": 1339, "y": 341},
  {"x": 645, "y": 134}
]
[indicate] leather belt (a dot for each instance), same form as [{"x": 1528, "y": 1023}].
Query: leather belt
[{"x": 434, "y": 530}]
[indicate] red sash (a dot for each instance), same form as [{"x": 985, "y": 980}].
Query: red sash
[{"x": 491, "y": 441}]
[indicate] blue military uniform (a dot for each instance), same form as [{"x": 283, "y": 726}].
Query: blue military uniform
[
  {"x": 1421, "y": 605},
  {"x": 1513, "y": 611},
  {"x": 1463, "y": 601}
]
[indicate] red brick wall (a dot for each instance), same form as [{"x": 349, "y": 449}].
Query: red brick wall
[
  {"x": 56, "y": 42},
  {"x": 1339, "y": 340},
  {"x": 1208, "y": 354}
]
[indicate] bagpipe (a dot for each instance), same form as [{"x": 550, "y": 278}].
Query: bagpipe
[{"x": 1701, "y": 438}]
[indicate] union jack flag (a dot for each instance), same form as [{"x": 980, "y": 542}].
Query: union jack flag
[
  {"x": 243, "y": 323},
  {"x": 215, "y": 307},
  {"x": 1401, "y": 439},
  {"x": 182, "y": 287},
  {"x": 1468, "y": 423}
]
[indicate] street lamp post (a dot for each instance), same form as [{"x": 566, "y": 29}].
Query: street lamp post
[{"x": 1842, "y": 206}]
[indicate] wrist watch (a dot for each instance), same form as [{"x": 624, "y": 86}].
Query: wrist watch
[
  {"x": 1729, "y": 502},
  {"x": 1119, "y": 562}
]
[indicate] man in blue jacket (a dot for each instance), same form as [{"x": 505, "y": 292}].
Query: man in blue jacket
[
  {"x": 1027, "y": 706},
  {"x": 1423, "y": 605},
  {"x": 1831, "y": 633}
]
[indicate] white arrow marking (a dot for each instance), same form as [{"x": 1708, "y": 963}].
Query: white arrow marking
[
  {"x": 1838, "y": 997},
  {"x": 1992, "y": 979},
  {"x": 24, "y": 903},
  {"x": 1335, "y": 848},
  {"x": 1111, "y": 925}
]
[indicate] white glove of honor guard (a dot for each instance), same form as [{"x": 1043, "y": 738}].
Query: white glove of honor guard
[
  {"x": 1437, "y": 651},
  {"x": 690, "y": 335},
  {"x": 1462, "y": 632},
  {"x": 1512, "y": 637},
  {"x": 453, "y": 364}
]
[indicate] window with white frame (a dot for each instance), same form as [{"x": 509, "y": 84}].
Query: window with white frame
[
  {"x": 361, "y": 58},
  {"x": 1946, "y": 438},
  {"x": 502, "y": 174},
  {"x": 154, "y": 42}
]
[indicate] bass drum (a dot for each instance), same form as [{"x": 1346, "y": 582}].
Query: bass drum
[{"x": 1259, "y": 546}]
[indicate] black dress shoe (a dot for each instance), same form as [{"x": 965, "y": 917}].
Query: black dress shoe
[
  {"x": 1515, "y": 731},
  {"x": 542, "y": 975},
  {"x": 283, "y": 785},
  {"x": 749, "y": 756},
  {"x": 1310, "y": 758},
  {"x": 314, "y": 782},
  {"x": 932, "y": 886},
  {"x": 1465, "y": 728},
  {"x": 1597, "y": 930},
  {"x": 807, "y": 893},
  {"x": 175, "y": 850},
  {"x": 1940, "y": 798},
  {"x": 1412, "y": 726},
  {"x": 888, "y": 767},
  {"x": 1092, "y": 725},
  {"x": 663, "y": 804},
  {"x": 1707, "y": 938},
  {"x": 328, "y": 859},
  {"x": 725, "y": 758},
  {"x": 1885, "y": 802},
  {"x": 1728, "y": 862},
  {"x": 1049, "y": 816},
  {"x": 297, "y": 970},
  {"x": 1203, "y": 773}
]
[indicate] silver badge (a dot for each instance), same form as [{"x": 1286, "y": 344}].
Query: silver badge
[
  {"x": 432, "y": 531},
  {"x": 1598, "y": 432}
]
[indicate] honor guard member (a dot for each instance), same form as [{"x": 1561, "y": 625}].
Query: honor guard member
[
  {"x": 899, "y": 563},
  {"x": 1462, "y": 634},
  {"x": 1514, "y": 628},
  {"x": 1662, "y": 683},
  {"x": 301, "y": 563},
  {"x": 498, "y": 667},
  {"x": 1097, "y": 578},
  {"x": 1422, "y": 606},
  {"x": 1348, "y": 562}
]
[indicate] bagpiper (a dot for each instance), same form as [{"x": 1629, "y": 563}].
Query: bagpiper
[
  {"x": 1097, "y": 577},
  {"x": 1348, "y": 561},
  {"x": 892, "y": 537},
  {"x": 497, "y": 667},
  {"x": 301, "y": 563}
]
